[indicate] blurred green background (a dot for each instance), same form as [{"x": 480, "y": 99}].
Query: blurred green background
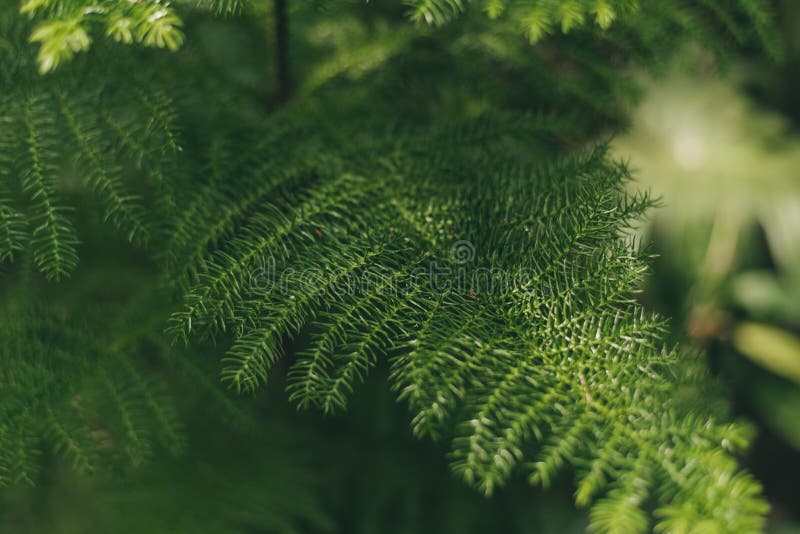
[{"x": 723, "y": 154}]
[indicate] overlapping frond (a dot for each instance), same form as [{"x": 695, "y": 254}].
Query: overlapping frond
[
  {"x": 270, "y": 484},
  {"x": 54, "y": 240},
  {"x": 223, "y": 7},
  {"x": 489, "y": 265},
  {"x": 123, "y": 209},
  {"x": 66, "y": 391},
  {"x": 501, "y": 291},
  {"x": 56, "y": 127},
  {"x": 13, "y": 229},
  {"x": 41, "y": 169},
  {"x": 64, "y": 27},
  {"x": 623, "y": 22},
  {"x": 541, "y": 16}
]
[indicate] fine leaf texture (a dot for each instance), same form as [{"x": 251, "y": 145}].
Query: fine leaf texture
[
  {"x": 413, "y": 207},
  {"x": 501, "y": 291}
]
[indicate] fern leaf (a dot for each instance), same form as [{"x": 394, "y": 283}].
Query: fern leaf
[
  {"x": 66, "y": 389},
  {"x": 54, "y": 240},
  {"x": 436, "y": 12},
  {"x": 73, "y": 443},
  {"x": 122, "y": 208},
  {"x": 18, "y": 452},
  {"x": 349, "y": 339},
  {"x": 544, "y": 349},
  {"x": 64, "y": 29},
  {"x": 13, "y": 228}
]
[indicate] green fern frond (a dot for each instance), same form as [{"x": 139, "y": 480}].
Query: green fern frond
[
  {"x": 130, "y": 417},
  {"x": 41, "y": 161},
  {"x": 72, "y": 439},
  {"x": 158, "y": 406},
  {"x": 64, "y": 27},
  {"x": 260, "y": 345},
  {"x": 538, "y": 16},
  {"x": 122, "y": 208},
  {"x": 18, "y": 452},
  {"x": 104, "y": 128},
  {"x": 436, "y": 12},
  {"x": 64, "y": 390},
  {"x": 13, "y": 230},
  {"x": 54, "y": 240},
  {"x": 223, "y": 7},
  {"x": 485, "y": 261},
  {"x": 348, "y": 339},
  {"x": 221, "y": 200},
  {"x": 558, "y": 357},
  {"x": 262, "y": 240},
  {"x": 59, "y": 41},
  {"x": 650, "y": 22}
]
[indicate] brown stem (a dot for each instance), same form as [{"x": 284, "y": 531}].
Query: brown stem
[{"x": 283, "y": 81}]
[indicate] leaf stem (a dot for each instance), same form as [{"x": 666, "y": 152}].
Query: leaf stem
[{"x": 282, "y": 76}]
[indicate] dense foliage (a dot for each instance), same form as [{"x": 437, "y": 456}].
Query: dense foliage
[{"x": 432, "y": 197}]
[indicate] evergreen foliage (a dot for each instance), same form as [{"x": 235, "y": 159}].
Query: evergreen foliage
[
  {"x": 522, "y": 374},
  {"x": 434, "y": 198},
  {"x": 268, "y": 485},
  {"x": 79, "y": 394},
  {"x": 648, "y": 23},
  {"x": 75, "y": 123},
  {"x": 64, "y": 27}
]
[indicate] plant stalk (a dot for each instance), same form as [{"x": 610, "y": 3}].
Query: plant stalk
[{"x": 282, "y": 76}]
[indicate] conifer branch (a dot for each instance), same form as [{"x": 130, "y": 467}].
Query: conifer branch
[{"x": 484, "y": 259}]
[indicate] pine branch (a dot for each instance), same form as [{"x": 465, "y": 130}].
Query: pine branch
[
  {"x": 13, "y": 227},
  {"x": 54, "y": 240},
  {"x": 539, "y": 19},
  {"x": 123, "y": 209},
  {"x": 64, "y": 27},
  {"x": 486, "y": 262},
  {"x": 34, "y": 155},
  {"x": 63, "y": 392},
  {"x": 561, "y": 358}
]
